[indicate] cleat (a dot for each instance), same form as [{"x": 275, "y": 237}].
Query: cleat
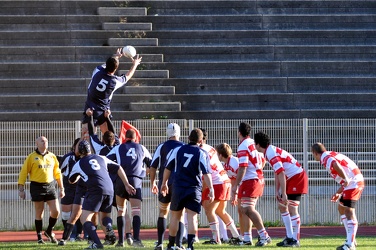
[
  {"x": 248, "y": 243},
  {"x": 345, "y": 247},
  {"x": 288, "y": 242},
  {"x": 130, "y": 241},
  {"x": 235, "y": 241},
  {"x": 158, "y": 247},
  {"x": 185, "y": 240},
  {"x": 137, "y": 243},
  {"x": 94, "y": 246},
  {"x": 263, "y": 242},
  {"x": 110, "y": 237},
  {"x": 210, "y": 242},
  {"x": 61, "y": 243},
  {"x": 51, "y": 237},
  {"x": 119, "y": 244},
  {"x": 41, "y": 241},
  {"x": 79, "y": 238}
]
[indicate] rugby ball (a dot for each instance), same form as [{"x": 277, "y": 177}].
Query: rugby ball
[{"x": 129, "y": 51}]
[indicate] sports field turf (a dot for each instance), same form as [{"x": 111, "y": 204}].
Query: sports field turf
[{"x": 319, "y": 243}]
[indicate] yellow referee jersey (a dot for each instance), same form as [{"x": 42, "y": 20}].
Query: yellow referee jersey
[{"x": 40, "y": 168}]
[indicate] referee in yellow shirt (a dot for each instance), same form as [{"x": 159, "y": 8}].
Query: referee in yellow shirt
[{"x": 42, "y": 167}]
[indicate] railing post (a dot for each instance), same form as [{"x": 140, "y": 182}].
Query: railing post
[{"x": 305, "y": 166}]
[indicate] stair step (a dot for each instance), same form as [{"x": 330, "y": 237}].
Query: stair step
[
  {"x": 127, "y": 26},
  {"x": 168, "y": 90},
  {"x": 155, "y": 106},
  {"x": 133, "y": 41},
  {"x": 122, "y": 11}
]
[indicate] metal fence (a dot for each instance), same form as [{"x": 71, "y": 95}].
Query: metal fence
[{"x": 354, "y": 137}]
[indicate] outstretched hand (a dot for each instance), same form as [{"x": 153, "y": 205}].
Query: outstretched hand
[{"x": 136, "y": 61}]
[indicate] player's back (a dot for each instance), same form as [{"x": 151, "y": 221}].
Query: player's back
[{"x": 165, "y": 150}]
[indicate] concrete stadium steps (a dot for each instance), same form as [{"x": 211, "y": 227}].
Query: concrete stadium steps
[
  {"x": 254, "y": 22},
  {"x": 54, "y": 22},
  {"x": 97, "y": 54}
]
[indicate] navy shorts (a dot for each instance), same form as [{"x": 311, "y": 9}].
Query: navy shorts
[
  {"x": 97, "y": 202},
  {"x": 186, "y": 198},
  {"x": 43, "y": 191},
  {"x": 98, "y": 117},
  {"x": 135, "y": 182},
  {"x": 70, "y": 192},
  {"x": 165, "y": 199},
  {"x": 79, "y": 195}
]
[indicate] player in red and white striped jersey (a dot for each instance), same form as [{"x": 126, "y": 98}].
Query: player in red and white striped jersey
[
  {"x": 251, "y": 177},
  {"x": 346, "y": 173},
  {"x": 291, "y": 182},
  {"x": 222, "y": 194},
  {"x": 231, "y": 165}
]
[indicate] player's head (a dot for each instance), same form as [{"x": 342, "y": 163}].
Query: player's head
[
  {"x": 73, "y": 148},
  {"x": 261, "y": 139},
  {"x": 108, "y": 138},
  {"x": 195, "y": 136},
  {"x": 317, "y": 149},
  {"x": 112, "y": 64},
  {"x": 244, "y": 129},
  {"x": 204, "y": 134},
  {"x": 173, "y": 130},
  {"x": 130, "y": 135},
  {"x": 84, "y": 148},
  {"x": 224, "y": 150},
  {"x": 42, "y": 143}
]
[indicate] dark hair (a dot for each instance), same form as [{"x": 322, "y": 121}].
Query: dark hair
[
  {"x": 130, "y": 134},
  {"x": 224, "y": 149},
  {"x": 84, "y": 147},
  {"x": 75, "y": 144},
  {"x": 244, "y": 129},
  {"x": 112, "y": 64},
  {"x": 109, "y": 138},
  {"x": 262, "y": 139},
  {"x": 318, "y": 147},
  {"x": 196, "y": 135},
  {"x": 204, "y": 134}
]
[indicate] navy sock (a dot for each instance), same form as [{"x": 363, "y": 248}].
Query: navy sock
[
  {"x": 161, "y": 226},
  {"x": 39, "y": 227},
  {"x": 171, "y": 241},
  {"x": 107, "y": 222},
  {"x": 67, "y": 231},
  {"x": 180, "y": 234},
  {"x": 121, "y": 228},
  {"x": 191, "y": 240},
  {"x": 78, "y": 227},
  {"x": 91, "y": 231},
  {"x": 136, "y": 223}
]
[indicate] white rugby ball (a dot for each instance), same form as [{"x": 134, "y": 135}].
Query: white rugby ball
[{"x": 129, "y": 51}]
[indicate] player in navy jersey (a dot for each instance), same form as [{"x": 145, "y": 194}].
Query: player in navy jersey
[
  {"x": 102, "y": 86},
  {"x": 132, "y": 157},
  {"x": 190, "y": 164},
  {"x": 94, "y": 171},
  {"x": 66, "y": 164},
  {"x": 159, "y": 162}
]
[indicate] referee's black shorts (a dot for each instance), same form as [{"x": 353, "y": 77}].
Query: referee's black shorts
[{"x": 43, "y": 191}]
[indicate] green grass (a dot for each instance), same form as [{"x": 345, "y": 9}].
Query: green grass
[{"x": 321, "y": 243}]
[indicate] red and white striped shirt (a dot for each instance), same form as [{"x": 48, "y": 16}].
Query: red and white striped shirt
[
  {"x": 281, "y": 160},
  {"x": 349, "y": 167},
  {"x": 218, "y": 173},
  {"x": 250, "y": 159},
  {"x": 231, "y": 167}
]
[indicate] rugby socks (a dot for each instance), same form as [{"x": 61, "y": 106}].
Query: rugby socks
[
  {"x": 222, "y": 229},
  {"x": 344, "y": 221},
  {"x": 180, "y": 234},
  {"x": 233, "y": 230},
  {"x": 191, "y": 240},
  {"x": 288, "y": 225},
  {"x": 214, "y": 227},
  {"x": 161, "y": 228},
  {"x": 91, "y": 231},
  {"x": 121, "y": 228},
  {"x": 67, "y": 231},
  {"x": 51, "y": 224},
  {"x": 171, "y": 241},
  {"x": 263, "y": 234},
  {"x": 352, "y": 227},
  {"x": 295, "y": 223},
  {"x": 247, "y": 236},
  {"x": 107, "y": 222},
  {"x": 38, "y": 228},
  {"x": 64, "y": 222},
  {"x": 78, "y": 227},
  {"x": 136, "y": 223}
]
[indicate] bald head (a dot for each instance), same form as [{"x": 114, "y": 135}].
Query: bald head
[{"x": 42, "y": 144}]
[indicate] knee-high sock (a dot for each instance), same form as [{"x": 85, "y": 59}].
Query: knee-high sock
[
  {"x": 222, "y": 229},
  {"x": 295, "y": 222},
  {"x": 161, "y": 229},
  {"x": 121, "y": 228},
  {"x": 233, "y": 229},
  {"x": 38, "y": 228},
  {"x": 136, "y": 223},
  {"x": 180, "y": 234},
  {"x": 67, "y": 231},
  {"x": 214, "y": 227},
  {"x": 78, "y": 227},
  {"x": 287, "y": 222},
  {"x": 107, "y": 222},
  {"x": 91, "y": 231},
  {"x": 344, "y": 222},
  {"x": 51, "y": 224},
  {"x": 352, "y": 227}
]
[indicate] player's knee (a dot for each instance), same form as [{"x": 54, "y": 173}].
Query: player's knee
[
  {"x": 65, "y": 215},
  {"x": 136, "y": 211}
]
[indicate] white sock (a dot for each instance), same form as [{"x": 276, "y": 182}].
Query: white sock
[
  {"x": 344, "y": 221},
  {"x": 352, "y": 227},
  {"x": 288, "y": 225},
  {"x": 295, "y": 224},
  {"x": 214, "y": 227},
  {"x": 222, "y": 229},
  {"x": 233, "y": 229},
  {"x": 263, "y": 234},
  {"x": 247, "y": 236}
]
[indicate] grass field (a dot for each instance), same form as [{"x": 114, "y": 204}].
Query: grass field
[{"x": 320, "y": 243}]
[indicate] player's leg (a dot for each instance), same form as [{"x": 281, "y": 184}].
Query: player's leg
[
  {"x": 164, "y": 208},
  {"x": 39, "y": 209},
  {"x": 54, "y": 214},
  {"x": 192, "y": 227},
  {"x": 175, "y": 217},
  {"x": 121, "y": 209},
  {"x": 90, "y": 228},
  {"x": 136, "y": 220},
  {"x": 228, "y": 221},
  {"x": 210, "y": 208},
  {"x": 245, "y": 227}
]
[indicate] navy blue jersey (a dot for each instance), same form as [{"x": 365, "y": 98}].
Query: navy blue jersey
[
  {"x": 94, "y": 171},
  {"x": 131, "y": 156},
  {"x": 66, "y": 164},
  {"x": 99, "y": 147},
  {"x": 189, "y": 162},
  {"x": 102, "y": 88},
  {"x": 160, "y": 157}
]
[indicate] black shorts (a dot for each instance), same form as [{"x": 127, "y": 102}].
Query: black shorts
[
  {"x": 135, "y": 182},
  {"x": 294, "y": 197},
  {"x": 70, "y": 191},
  {"x": 43, "y": 191},
  {"x": 98, "y": 202},
  {"x": 347, "y": 203},
  {"x": 186, "y": 198},
  {"x": 79, "y": 195},
  {"x": 165, "y": 199},
  {"x": 98, "y": 117}
]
